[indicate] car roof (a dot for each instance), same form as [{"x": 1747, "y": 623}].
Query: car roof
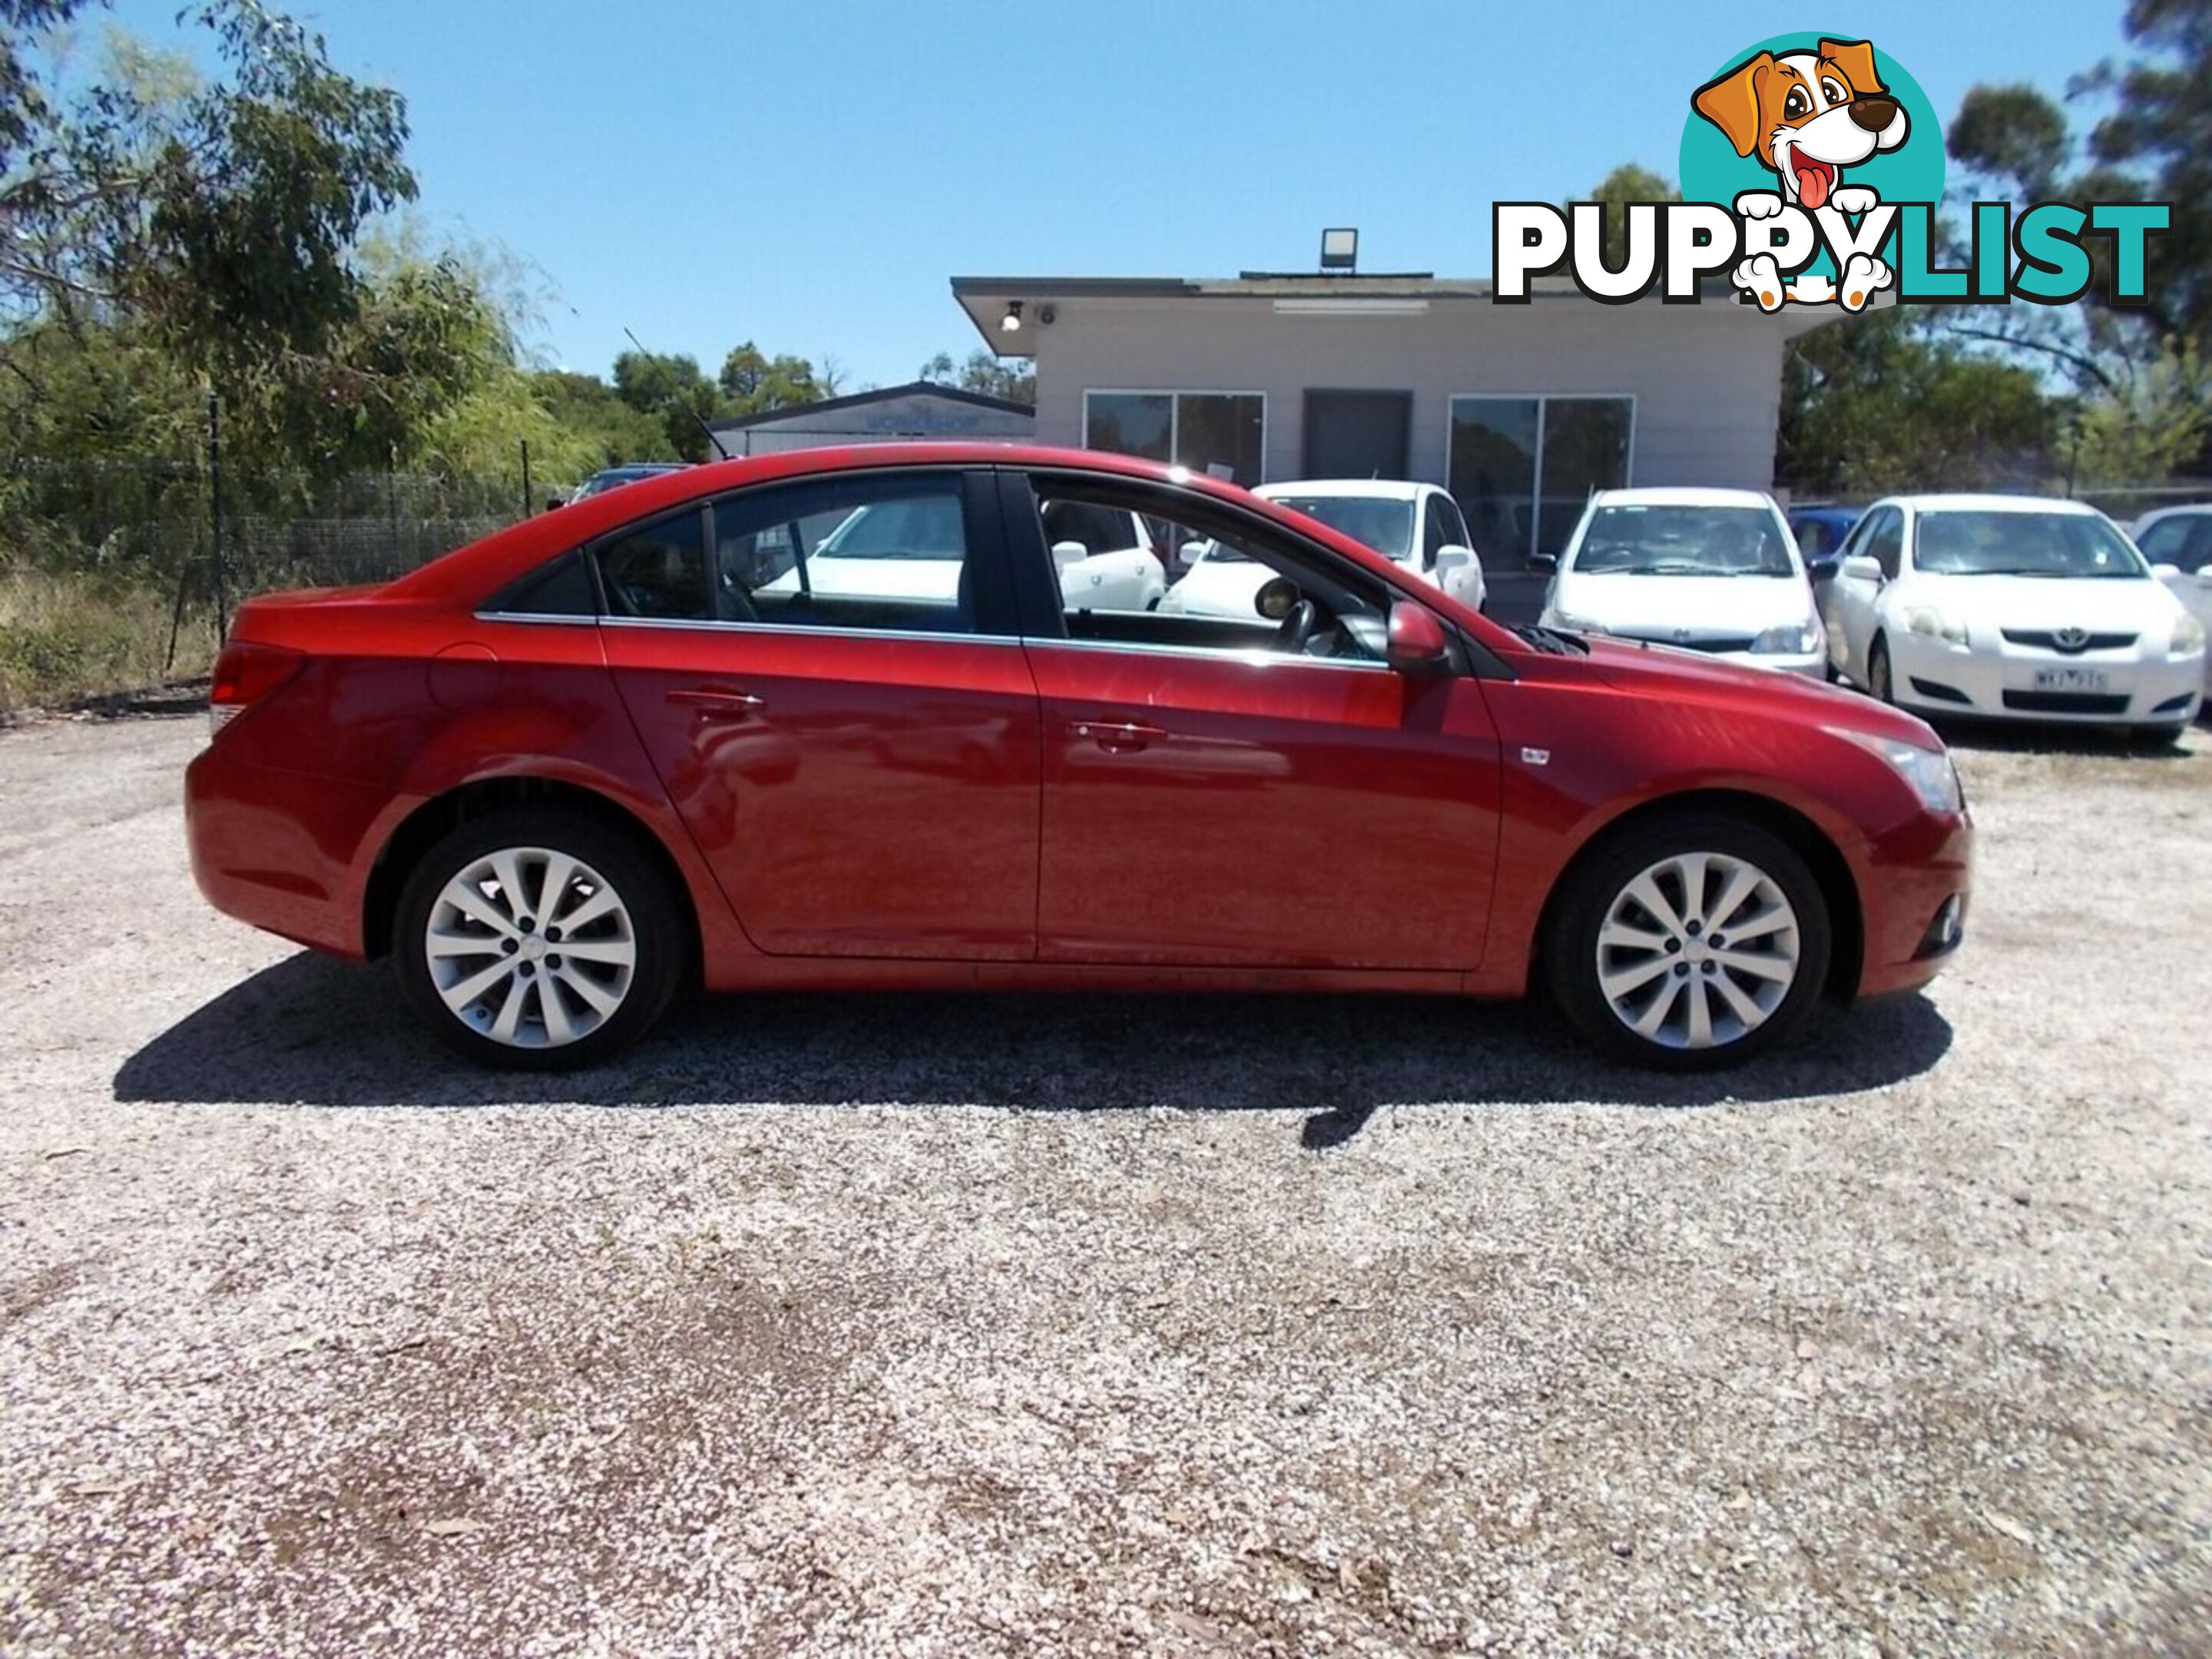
[
  {"x": 1681, "y": 495},
  {"x": 1395, "y": 489},
  {"x": 467, "y": 572},
  {"x": 2185, "y": 510},
  {"x": 1992, "y": 503}
]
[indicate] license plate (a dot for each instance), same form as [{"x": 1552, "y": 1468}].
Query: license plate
[{"x": 2069, "y": 679}]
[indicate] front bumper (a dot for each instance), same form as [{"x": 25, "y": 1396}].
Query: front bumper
[
  {"x": 1917, "y": 897},
  {"x": 2092, "y": 688}
]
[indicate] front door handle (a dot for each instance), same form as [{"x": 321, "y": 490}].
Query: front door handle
[
  {"x": 1119, "y": 737},
  {"x": 716, "y": 699}
]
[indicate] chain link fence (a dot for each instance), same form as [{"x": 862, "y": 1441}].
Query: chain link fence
[{"x": 118, "y": 574}]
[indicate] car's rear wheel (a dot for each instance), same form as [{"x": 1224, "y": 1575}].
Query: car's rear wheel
[
  {"x": 1692, "y": 942},
  {"x": 1881, "y": 682},
  {"x": 538, "y": 937}
]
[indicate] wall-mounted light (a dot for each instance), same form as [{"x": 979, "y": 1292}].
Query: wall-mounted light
[
  {"x": 1340, "y": 249},
  {"x": 1047, "y": 316},
  {"x": 1011, "y": 322}
]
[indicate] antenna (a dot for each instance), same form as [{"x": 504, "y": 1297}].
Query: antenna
[{"x": 694, "y": 413}]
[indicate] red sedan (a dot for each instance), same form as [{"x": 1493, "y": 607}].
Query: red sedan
[{"x": 850, "y": 717}]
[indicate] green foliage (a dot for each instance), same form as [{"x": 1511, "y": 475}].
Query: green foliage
[
  {"x": 753, "y": 385},
  {"x": 2153, "y": 423},
  {"x": 588, "y": 411},
  {"x": 1879, "y": 401},
  {"x": 1625, "y": 184},
  {"x": 670, "y": 388},
  {"x": 1013, "y": 378},
  {"x": 2154, "y": 145}
]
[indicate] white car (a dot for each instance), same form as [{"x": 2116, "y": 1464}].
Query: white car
[
  {"x": 1417, "y": 526},
  {"x": 914, "y": 549},
  {"x": 1715, "y": 571},
  {"x": 2178, "y": 542},
  {"x": 2012, "y": 606}
]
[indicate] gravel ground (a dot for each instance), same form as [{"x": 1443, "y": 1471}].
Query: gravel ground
[{"x": 1014, "y": 1325}]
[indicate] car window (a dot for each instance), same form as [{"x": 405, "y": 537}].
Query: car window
[
  {"x": 886, "y": 553},
  {"x": 2170, "y": 540},
  {"x": 1885, "y": 541},
  {"x": 1246, "y": 593},
  {"x": 1381, "y": 522},
  {"x": 1640, "y": 540},
  {"x": 658, "y": 572},
  {"x": 1968, "y": 542},
  {"x": 1813, "y": 535},
  {"x": 1094, "y": 529},
  {"x": 1456, "y": 534}
]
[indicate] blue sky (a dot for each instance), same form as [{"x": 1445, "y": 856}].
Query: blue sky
[{"x": 808, "y": 175}]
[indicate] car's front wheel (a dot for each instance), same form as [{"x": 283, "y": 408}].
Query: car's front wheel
[
  {"x": 538, "y": 937},
  {"x": 1692, "y": 942}
]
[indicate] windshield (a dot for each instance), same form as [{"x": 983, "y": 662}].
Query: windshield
[
  {"x": 1952, "y": 543},
  {"x": 1383, "y": 523},
  {"x": 924, "y": 527},
  {"x": 1683, "y": 541}
]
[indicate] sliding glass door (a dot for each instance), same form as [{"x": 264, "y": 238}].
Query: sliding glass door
[{"x": 1521, "y": 468}]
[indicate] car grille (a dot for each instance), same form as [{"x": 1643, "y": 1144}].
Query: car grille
[
  {"x": 1711, "y": 642},
  {"x": 2044, "y": 639},
  {"x": 2065, "y": 703}
]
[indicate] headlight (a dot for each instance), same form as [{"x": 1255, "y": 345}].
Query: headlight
[
  {"x": 1795, "y": 638},
  {"x": 1567, "y": 619},
  {"x": 1925, "y": 619},
  {"x": 2188, "y": 636},
  {"x": 1929, "y": 771}
]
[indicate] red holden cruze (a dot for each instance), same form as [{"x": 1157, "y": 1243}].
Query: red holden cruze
[{"x": 887, "y": 717}]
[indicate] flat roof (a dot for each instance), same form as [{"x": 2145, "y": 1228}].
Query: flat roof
[{"x": 985, "y": 298}]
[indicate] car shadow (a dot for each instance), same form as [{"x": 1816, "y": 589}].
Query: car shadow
[{"x": 315, "y": 1032}]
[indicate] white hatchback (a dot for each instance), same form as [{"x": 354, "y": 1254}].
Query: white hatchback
[
  {"x": 1713, "y": 571},
  {"x": 2012, "y": 606},
  {"x": 1417, "y": 526}
]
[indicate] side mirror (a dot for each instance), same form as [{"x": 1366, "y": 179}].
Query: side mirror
[
  {"x": 1545, "y": 562},
  {"x": 1191, "y": 552},
  {"x": 2166, "y": 573},
  {"x": 1823, "y": 569},
  {"x": 1452, "y": 557},
  {"x": 1860, "y": 568},
  {"x": 1418, "y": 643},
  {"x": 554, "y": 504},
  {"x": 1064, "y": 554}
]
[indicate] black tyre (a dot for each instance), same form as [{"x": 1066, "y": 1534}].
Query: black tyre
[
  {"x": 1691, "y": 942},
  {"x": 539, "y": 939},
  {"x": 1881, "y": 682}
]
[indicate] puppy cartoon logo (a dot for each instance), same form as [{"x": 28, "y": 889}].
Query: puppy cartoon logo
[
  {"x": 1811, "y": 174},
  {"x": 1806, "y": 116}
]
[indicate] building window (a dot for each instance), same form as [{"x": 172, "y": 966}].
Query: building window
[
  {"x": 1217, "y": 431},
  {"x": 1524, "y": 468}
]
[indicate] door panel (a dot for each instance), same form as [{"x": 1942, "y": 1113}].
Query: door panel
[
  {"x": 1221, "y": 809},
  {"x": 864, "y": 795},
  {"x": 1358, "y": 434}
]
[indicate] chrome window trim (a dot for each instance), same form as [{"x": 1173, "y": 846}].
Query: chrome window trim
[
  {"x": 1259, "y": 657},
  {"x": 534, "y": 618},
  {"x": 808, "y": 629}
]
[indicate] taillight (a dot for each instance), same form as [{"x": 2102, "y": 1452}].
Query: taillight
[{"x": 245, "y": 673}]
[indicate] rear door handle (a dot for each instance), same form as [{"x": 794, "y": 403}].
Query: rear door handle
[
  {"x": 1120, "y": 737},
  {"x": 716, "y": 699}
]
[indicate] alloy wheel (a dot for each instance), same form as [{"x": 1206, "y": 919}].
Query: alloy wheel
[
  {"x": 1698, "y": 951},
  {"x": 531, "y": 947}
]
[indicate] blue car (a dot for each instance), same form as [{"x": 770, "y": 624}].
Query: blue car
[{"x": 1820, "y": 529}]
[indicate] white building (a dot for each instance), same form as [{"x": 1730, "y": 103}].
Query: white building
[{"x": 1521, "y": 409}]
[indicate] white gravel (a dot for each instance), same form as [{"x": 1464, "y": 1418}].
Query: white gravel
[{"x": 1017, "y": 1325}]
